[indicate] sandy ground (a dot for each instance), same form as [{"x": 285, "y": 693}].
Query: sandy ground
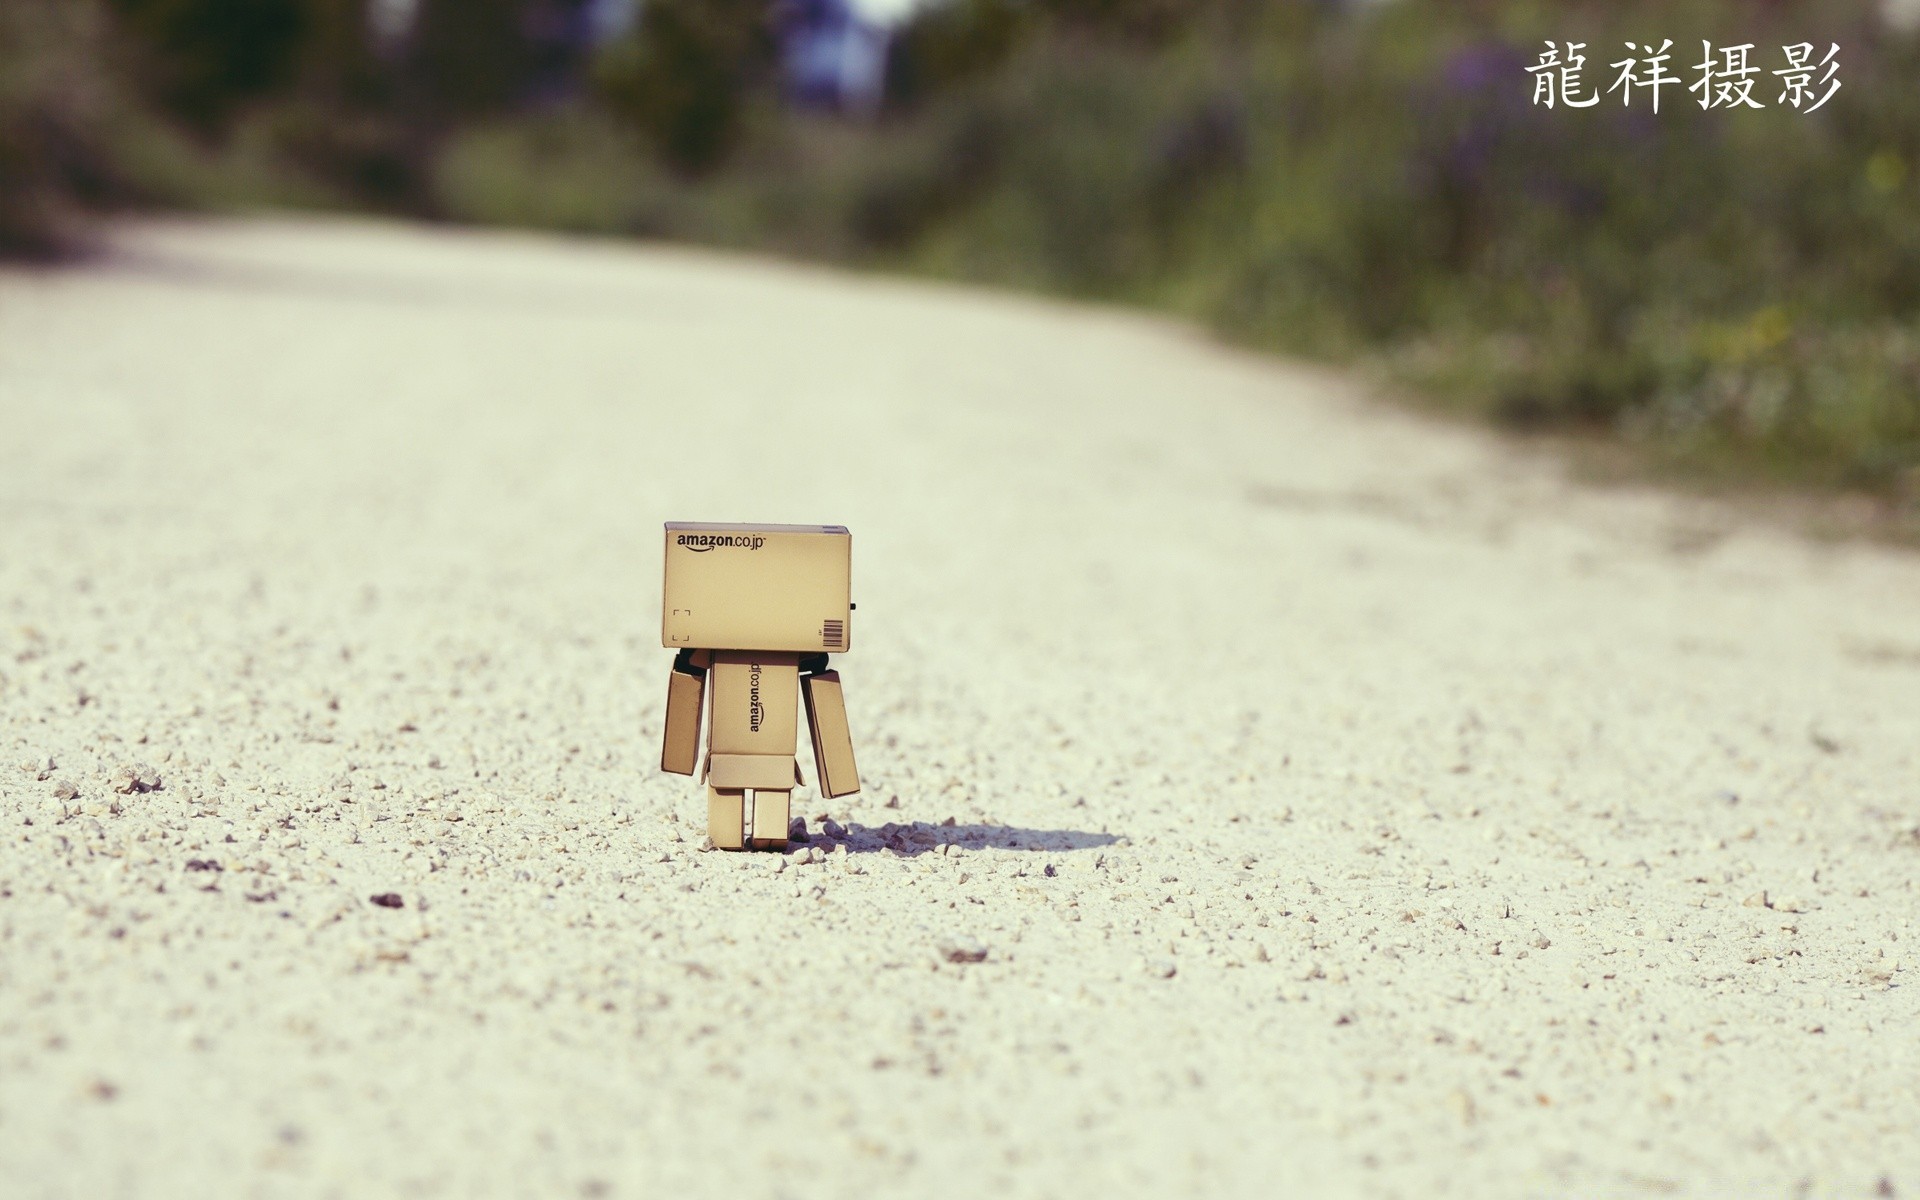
[{"x": 1342, "y": 803}]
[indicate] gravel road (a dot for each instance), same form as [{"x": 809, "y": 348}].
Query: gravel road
[{"x": 1266, "y": 791}]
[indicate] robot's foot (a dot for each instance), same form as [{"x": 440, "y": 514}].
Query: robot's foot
[
  {"x": 730, "y": 828},
  {"x": 726, "y": 823},
  {"x": 770, "y": 814}
]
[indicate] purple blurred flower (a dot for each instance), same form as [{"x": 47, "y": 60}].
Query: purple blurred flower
[{"x": 1484, "y": 67}]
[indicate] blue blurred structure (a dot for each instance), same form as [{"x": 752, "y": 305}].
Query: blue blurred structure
[
  {"x": 832, "y": 56},
  {"x": 611, "y": 19}
]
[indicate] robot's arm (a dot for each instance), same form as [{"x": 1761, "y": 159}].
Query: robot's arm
[
  {"x": 827, "y": 719},
  {"x": 686, "y": 695}
]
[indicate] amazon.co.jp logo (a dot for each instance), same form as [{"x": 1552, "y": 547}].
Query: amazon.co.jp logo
[{"x": 700, "y": 543}]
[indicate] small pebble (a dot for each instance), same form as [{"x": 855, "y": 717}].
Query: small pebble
[
  {"x": 63, "y": 789},
  {"x": 962, "y": 949},
  {"x": 388, "y": 900}
]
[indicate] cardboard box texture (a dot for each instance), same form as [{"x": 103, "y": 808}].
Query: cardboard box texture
[
  {"x": 680, "y": 750},
  {"x": 726, "y": 818},
  {"x": 770, "y": 817},
  {"x": 832, "y": 738},
  {"x": 757, "y": 587},
  {"x": 756, "y": 703},
  {"x": 758, "y": 772}
]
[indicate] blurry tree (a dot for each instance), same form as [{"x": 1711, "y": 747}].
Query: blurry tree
[
  {"x": 338, "y": 64},
  {"x": 946, "y": 44},
  {"x": 201, "y": 59},
  {"x": 355, "y": 117},
  {"x": 471, "y": 57},
  {"x": 1146, "y": 20},
  {"x": 55, "y": 103},
  {"x": 687, "y": 75}
]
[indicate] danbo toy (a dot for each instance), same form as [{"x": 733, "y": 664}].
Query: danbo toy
[{"x": 754, "y": 610}]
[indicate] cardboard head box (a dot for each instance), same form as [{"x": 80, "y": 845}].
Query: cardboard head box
[{"x": 757, "y": 587}]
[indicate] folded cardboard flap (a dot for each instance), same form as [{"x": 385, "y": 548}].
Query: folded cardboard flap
[
  {"x": 757, "y": 772},
  {"x": 832, "y": 738},
  {"x": 680, "y": 748}
]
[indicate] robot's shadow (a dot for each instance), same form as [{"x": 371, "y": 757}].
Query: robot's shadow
[{"x": 920, "y": 838}]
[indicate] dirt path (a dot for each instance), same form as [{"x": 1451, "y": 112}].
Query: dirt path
[{"x": 1340, "y": 801}]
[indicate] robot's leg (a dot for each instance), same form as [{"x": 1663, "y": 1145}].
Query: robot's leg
[
  {"x": 750, "y": 746},
  {"x": 726, "y": 813},
  {"x": 771, "y": 812}
]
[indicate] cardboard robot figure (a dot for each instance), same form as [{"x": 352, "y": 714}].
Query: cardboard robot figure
[{"x": 753, "y": 611}]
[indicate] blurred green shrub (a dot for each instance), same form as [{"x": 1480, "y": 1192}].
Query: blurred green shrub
[
  {"x": 1737, "y": 290},
  {"x": 1722, "y": 285},
  {"x": 954, "y": 43},
  {"x": 566, "y": 171},
  {"x": 55, "y": 110}
]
